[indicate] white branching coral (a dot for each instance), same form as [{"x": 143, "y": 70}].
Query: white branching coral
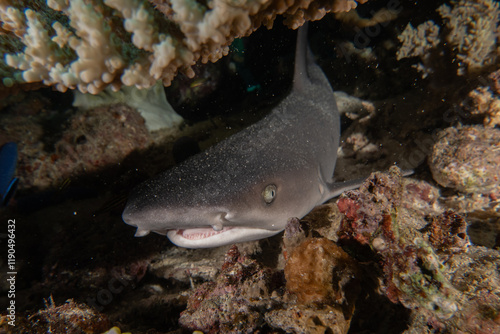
[
  {"x": 472, "y": 33},
  {"x": 418, "y": 41},
  {"x": 93, "y": 44}
]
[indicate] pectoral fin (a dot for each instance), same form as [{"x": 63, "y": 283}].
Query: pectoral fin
[{"x": 337, "y": 188}]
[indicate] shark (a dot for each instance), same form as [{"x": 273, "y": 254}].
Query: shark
[{"x": 248, "y": 186}]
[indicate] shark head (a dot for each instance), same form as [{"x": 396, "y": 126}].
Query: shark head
[{"x": 196, "y": 210}]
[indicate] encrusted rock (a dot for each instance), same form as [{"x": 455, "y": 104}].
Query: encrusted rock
[
  {"x": 448, "y": 233},
  {"x": 378, "y": 215},
  {"x": 467, "y": 159},
  {"x": 318, "y": 272},
  {"x": 231, "y": 303},
  {"x": 70, "y": 317},
  {"x": 303, "y": 320}
]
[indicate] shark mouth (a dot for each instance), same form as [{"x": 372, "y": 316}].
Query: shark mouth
[
  {"x": 208, "y": 237},
  {"x": 200, "y": 233}
]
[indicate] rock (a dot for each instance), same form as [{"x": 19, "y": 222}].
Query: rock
[{"x": 467, "y": 159}]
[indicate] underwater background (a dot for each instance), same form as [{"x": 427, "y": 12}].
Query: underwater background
[{"x": 417, "y": 85}]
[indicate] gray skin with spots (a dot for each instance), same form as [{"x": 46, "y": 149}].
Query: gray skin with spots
[{"x": 219, "y": 196}]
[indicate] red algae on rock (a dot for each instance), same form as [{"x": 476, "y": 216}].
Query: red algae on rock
[
  {"x": 427, "y": 263},
  {"x": 233, "y": 302},
  {"x": 412, "y": 273},
  {"x": 447, "y": 233}
]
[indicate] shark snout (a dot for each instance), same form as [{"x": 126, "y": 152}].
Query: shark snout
[{"x": 161, "y": 220}]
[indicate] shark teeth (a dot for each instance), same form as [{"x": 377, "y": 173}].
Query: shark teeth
[
  {"x": 141, "y": 232},
  {"x": 200, "y": 233}
]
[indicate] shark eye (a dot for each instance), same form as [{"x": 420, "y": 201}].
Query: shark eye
[{"x": 269, "y": 193}]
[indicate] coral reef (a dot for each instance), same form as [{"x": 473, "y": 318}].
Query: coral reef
[
  {"x": 231, "y": 304},
  {"x": 447, "y": 233},
  {"x": 296, "y": 319},
  {"x": 467, "y": 159},
  {"x": 418, "y": 42},
  {"x": 484, "y": 101},
  {"x": 413, "y": 274},
  {"x": 424, "y": 264},
  {"x": 318, "y": 272},
  {"x": 246, "y": 296},
  {"x": 417, "y": 270},
  {"x": 471, "y": 34},
  {"x": 324, "y": 280},
  {"x": 151, "y": 103},
  {"x": 475, "y": 275},
  {"x": 481, "y": 101},
  {"x": 90, "y": 45},
  {"x": 418, "y": 253},
  {"x": 91, "y": 140},
  {"x": 71, "y": 318}
]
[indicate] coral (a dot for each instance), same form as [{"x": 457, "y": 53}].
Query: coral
[
  {"x": 481, "y": 101},
  {"x": 450, "y": 285},
  {"x": 151, "y": 103},
  {"x": 298, "y": 320},
  {"x": 424, "y": 197},
  {"x": 319, "y": 272},
  {"x": 363, "y": 220},
  {"x": 91, "y": 140},
  {"x": 484, "y": 101},
  {"x": 495, "y": 82},
  {"x": 245, "y": 295},
  {"x": 482, "y": 212},
  {"x": 475, "y": 274},
  {"x": 90, "y": 45},
  {"x": 375, "y": 215},
  {"x": 71, "y": 318},
  {"x": 418, "y": 42},
  {"x": 231, "y": 303},
  {"x": 467, "y": 159},
  {"x": 352, "y": 18},
  {"x": 447, "y": 233},
  {"x": 471, "y": 33},
  {"x": 353, "y": 107}
]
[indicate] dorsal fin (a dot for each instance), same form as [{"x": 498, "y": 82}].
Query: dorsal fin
[
  {"x": 300, "y": 76},
  {"x": 307, "y": 72}
]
